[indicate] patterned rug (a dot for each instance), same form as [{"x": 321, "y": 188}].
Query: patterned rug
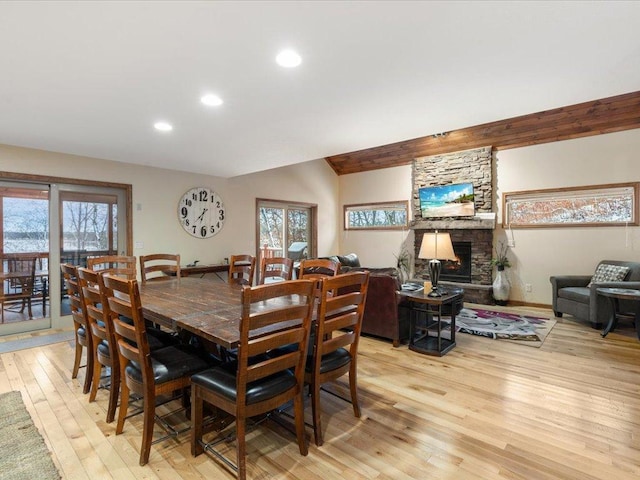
[
  {"x": 24, "y": 453},
  {"x": 523, "y": 329}
]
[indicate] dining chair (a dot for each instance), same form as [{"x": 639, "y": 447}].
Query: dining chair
[
  {"x": 121, "y": 265},
  {"x": 255, "y": 383},
  {"x": 275, "y": 269},
  {"x": 20, "y": 288},
  {"x": 82, "y": 332},
  {"x": 148, "y": 373},
  {"x": 336, "y": 335},
  {"x": 159, "y": 266},
  {"x": 242, "y": 269},
  {"x": 104, "y": 341},
  {"x": 316, "y": 269}
]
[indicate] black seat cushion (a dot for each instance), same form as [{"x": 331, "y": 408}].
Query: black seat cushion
[
  {"x": 81, "y": 332},
  {"x": 170, "y": 363},
  {"x": 330, "y": 361},
  {"x": 222, "y": 380},
  {"x": 103, "y": 348}
]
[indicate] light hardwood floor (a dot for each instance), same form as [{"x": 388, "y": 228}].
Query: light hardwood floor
[{"x": 486, "y": 410}]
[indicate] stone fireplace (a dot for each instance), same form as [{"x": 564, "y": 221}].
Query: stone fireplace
[{"x": 473, "y": 236}]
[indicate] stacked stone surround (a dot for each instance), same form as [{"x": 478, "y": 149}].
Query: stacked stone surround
[{"x": 473, "y": 166}]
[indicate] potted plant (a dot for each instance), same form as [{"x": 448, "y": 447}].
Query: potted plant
[
  {"x": 501, "y": 285},
  {"x": 501, "y": 260},
  {"x": 403, "y": 263}
]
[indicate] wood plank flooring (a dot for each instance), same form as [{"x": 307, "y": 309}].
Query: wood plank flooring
[{"x": 486, "y": 410}]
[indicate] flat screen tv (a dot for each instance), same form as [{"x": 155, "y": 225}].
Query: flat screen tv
[{"x": 447, "y": 201}]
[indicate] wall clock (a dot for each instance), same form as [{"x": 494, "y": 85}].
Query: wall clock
[{"x": 201, "y": 212}]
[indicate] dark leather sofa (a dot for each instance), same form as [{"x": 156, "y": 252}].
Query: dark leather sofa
[
  {"x": 384, "y": 317},
  {"x": 573, "y": 295}
]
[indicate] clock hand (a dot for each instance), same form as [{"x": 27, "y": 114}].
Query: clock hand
[{"x": 202, "y": 215}]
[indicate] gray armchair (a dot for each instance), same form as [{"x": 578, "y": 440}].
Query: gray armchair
[{"x": 572, "y": 296}]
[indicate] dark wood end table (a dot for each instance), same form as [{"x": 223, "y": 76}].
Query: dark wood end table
[
  {"x": 425, "y": 323},
  {"x": 614, "y": 295}
]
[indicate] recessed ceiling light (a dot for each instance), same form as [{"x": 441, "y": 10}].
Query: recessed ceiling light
[
  {"x": 211, "y": 100},
  {"x": 163, "y": 126},
  {"x": 288, "y": 59}
]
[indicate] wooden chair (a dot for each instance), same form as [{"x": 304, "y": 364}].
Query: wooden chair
[
  {"x": 159, "y": 266},
  {"x": 336, "y": 335},
  {"x": 104, "y": 340},
  {"x": 145, "y": 372},
  {"x": 20, "y": 285},
  {"x": 82, "y": 332},
  {"x": 256, "y": 383},
  {"x": 242, "y": 269},
  {"x": 276, "y": 269},
  {"x": 316, "y": 269},
  {"x": 121, "y": 265}
]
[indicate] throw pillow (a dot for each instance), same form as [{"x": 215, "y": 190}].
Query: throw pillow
[{"x": 609, "y": 273}]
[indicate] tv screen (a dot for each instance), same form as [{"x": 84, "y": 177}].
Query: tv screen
[{"x": 447, "y": 201}]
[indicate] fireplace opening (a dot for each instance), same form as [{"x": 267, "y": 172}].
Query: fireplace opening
[{"x": 458, "y": 270}]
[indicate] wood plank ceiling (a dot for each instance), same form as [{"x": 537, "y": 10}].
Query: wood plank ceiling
[{"x": 606, "y": 115}]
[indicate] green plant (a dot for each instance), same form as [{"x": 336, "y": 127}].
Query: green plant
[
  {"x": 403, "y": 262},
  {"x": 501, "y": 260}
]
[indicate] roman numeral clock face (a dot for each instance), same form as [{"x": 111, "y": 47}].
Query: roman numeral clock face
[{"x": 201, "y": 212}]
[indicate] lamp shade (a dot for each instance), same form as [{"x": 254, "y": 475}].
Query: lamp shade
[{"x": 437, "y": 245}]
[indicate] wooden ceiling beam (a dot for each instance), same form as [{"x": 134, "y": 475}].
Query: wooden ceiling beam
[{"x": 612, "y": 114}]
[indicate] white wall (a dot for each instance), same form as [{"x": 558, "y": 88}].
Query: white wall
[
  {"x": 541, "y": 252},
  {"x": 538, "y": 253},
  {"x": 376, "y": 248},
  {"x": 156, "y": 193}
]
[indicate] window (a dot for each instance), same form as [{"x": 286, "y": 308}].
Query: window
[
  {"x": 377, "y": 216},
  {"x": 286, "y": 229}
]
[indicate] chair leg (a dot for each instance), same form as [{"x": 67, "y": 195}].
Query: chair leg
[
  {"x": 147, "y": 428},
  {"x": 124, "y": 404},
  {"x": 298, "y": 411},
  {"x": 114, "y": 390},
  {"x": 78, "y": 356},
  {"x": 196, "y": 420},
  {"x": 353, "y": 387},
  {"x": 89, "y": 368},
  {"x": 95, "y": 383},
  {"x": 29, "y": 308},
  {"x": 315, "y": 411},
  {"x": 241, "y": 444}
]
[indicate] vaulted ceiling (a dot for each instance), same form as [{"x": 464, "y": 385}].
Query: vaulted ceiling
[{"x": 92, "y": 78}]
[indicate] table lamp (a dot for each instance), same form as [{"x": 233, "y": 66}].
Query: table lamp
[{"x": 436, "y": 246}]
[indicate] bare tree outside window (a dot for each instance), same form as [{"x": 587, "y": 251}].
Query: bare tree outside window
[{"x": 376, "y": 216}]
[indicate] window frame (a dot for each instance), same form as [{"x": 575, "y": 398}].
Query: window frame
[{"x": 393, "y": 204}]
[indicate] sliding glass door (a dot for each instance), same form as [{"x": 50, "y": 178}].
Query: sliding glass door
[
  {"x": 285, "y": 229},
  {"x": 53, "y": 223}
]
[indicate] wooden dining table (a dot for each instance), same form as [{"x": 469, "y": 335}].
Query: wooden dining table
[{"x": 210, "y": 310}]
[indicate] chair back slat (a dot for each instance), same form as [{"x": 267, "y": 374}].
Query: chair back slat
[
  {"x": 159, "y": 266},
  {"x": 289, "y": 324},
  {"x": 76, "y": 298},
  {"x": 340, "y": 311},
  {"x": 123, "y": 297},
  {"x": 121, "y": 265},
  {"x": 242, "y": 269},
  {"x": 275, "y": 269}
]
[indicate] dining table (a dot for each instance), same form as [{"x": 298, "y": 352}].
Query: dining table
[{"x": 210, "y": 310}]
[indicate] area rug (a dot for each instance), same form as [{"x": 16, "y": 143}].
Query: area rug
[
  {"x": 35, "y": 341},
  {"x": 23, "y": 453},
  {"x": 523, "y": 329}
]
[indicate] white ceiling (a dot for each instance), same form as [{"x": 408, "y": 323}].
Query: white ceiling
[{"x": 91, "y": 78}]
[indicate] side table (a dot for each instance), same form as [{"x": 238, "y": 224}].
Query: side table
[
  {"x": 425, "y": 322},
  {"x": 615, "y": 294}
]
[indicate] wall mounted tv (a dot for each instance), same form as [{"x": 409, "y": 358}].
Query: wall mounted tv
[{"x": 447, "y": 201}]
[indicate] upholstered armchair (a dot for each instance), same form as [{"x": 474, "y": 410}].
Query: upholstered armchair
[{"x": 576, "y": 294}]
